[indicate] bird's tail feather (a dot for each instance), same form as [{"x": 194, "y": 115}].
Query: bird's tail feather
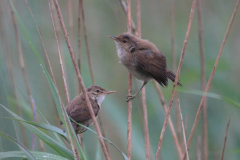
[{"x": 172, "y": 76}]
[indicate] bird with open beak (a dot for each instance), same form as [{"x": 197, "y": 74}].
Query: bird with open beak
[{"x": 143, "y": 60}]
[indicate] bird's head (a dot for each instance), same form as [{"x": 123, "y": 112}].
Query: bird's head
[
  {"x": 98, "y": 93},
  {"x": 127, "y": 41}
]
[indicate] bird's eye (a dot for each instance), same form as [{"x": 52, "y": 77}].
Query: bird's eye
[
  {"x": 97, "y": 91},
  {"x": 124, "y": 41}
]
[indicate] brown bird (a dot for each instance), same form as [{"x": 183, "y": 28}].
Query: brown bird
[
  {"x": 77, "y": 109},
  {"x": 143, "y": 60}
]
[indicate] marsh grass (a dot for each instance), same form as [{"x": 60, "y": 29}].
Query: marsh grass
[{"x": 50, "y": 91}]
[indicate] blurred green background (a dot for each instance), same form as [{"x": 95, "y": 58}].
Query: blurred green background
[{"x": 105, "y": 18}]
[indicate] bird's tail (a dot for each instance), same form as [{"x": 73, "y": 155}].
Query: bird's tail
[{"x": 172, "y": 76}]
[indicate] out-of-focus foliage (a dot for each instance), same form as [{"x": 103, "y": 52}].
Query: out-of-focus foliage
[{"x": 105, "y": 18}]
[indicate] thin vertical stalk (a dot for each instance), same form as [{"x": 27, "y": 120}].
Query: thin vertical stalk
[
  {"x": 171, "y": 126},
  {"x": 139, "y": 27},
  {"x": 183, "y": 129},
  {"x": 44, "y": 48},
  {"x": 211, "y": 77},
  {"x": 173, "y": 37},
  {"x": 45, "y": 51},
  {"x": 46, "y": 54},
  {"x": 205, "y": 121},
  {"x": 25, "y": 76},
  {"x": 71, "y": 141},
  {"x": 129, "y": 19},
  {"x": 138, "y": 33},
  {"x": 80, "y": 138},
  {"x": 51, "y": 71},
  {"x": 158, "y": 89},
  {"x": 55, "y": 18},
  {"x": 19, "y": 111},
  {"x": 174, "y": 57},
  {"x": 11, "y": 77},
  {"x": 57, "y": 27},
  {"x": 79, "y": 33},
  {"x": 186, "y": 124},
  {"x": 201, "y": 47},
  {"x": 91, "y": 68},
  {"x": 124, "y": 6},
  {"x": 53, "y": 13},
  {"x": 129, "y": 132},
  {"x": 81, "y": 83},
  {"x": 87, "y": 45},
  {"x": 215, "y": 153},
  {"x": 225, "y": 140},
  {"x": 176, "y": 79},
  {"x": 70, "y": 18},
  {"x": 103, "y": 131},
  {"x": 199, "y": 148},
  {"x": 61, "y": 62},
  {"x": 144, "y": 105}
]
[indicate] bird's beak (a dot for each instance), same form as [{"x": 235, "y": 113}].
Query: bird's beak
[
  {"x": 114, "y": 38},
  {"x": 109, "y": 92}
]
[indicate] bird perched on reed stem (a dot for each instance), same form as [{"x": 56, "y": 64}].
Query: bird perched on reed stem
[
  {"x": 78, "y": 110},
  {"x": 143, "y": 60}
]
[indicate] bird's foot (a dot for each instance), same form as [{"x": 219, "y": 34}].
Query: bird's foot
[{"x": 130, "y": 97}]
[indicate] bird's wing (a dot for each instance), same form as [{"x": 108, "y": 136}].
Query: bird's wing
[
  {"x": 79, "y": 111},
  {"x": 153, "y": 64}
]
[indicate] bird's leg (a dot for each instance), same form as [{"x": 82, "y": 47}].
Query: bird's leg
[
  {"x": 79, "y": 139},
  {"x": 130, "y": 97}
]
